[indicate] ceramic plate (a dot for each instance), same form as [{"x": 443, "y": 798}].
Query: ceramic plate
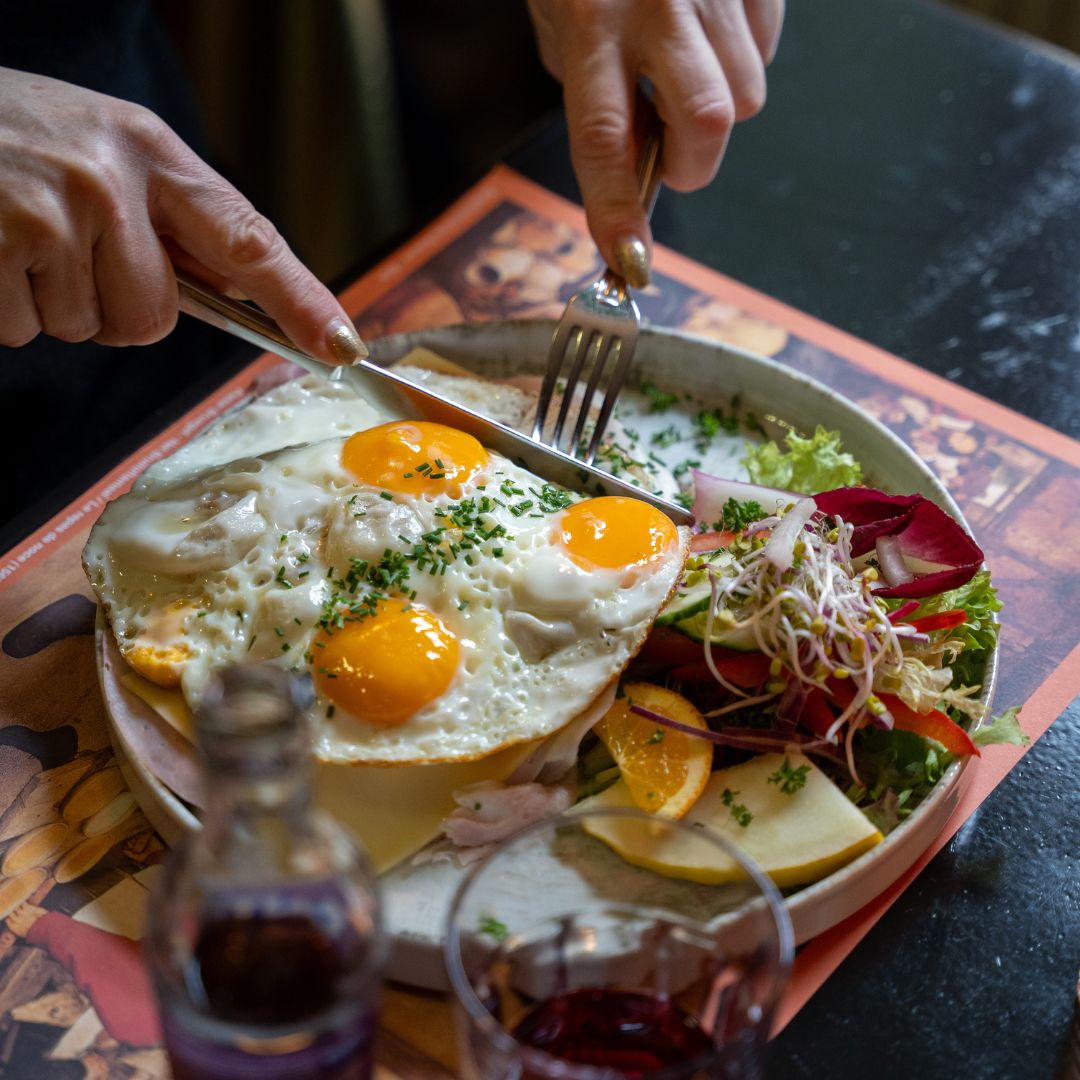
[{"x": 703, "y": 374}]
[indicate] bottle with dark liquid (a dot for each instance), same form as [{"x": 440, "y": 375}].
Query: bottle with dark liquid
[{"x": 264, "y": 941}]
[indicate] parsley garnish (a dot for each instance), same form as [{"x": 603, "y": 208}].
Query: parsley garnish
[
  {"x": 738, "y": 810},
  {"x": 709, "y": 423},
  {"x": 488, "y": 924},
  {"x": 659, "y": 400},
  {"x": 667, "y": 437},
  {"x": 737, "y": 515},
  {"x": 684, "y": 467},
  {"x": 789, "y": 779}
]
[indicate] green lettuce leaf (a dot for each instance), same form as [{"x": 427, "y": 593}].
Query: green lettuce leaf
[
  {"x": 1002, "y": 729},
  {"x": 900, "y": 761},
  {"x": 809, "y": 465},
  {"x": 979, "y": 634}
]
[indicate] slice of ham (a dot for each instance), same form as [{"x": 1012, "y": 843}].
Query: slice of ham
[
  {"x": 543, "y": 785},
  {"x": 491, "y": 811}
]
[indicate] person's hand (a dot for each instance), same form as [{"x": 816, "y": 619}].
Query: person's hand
[
  {"x": 98, "y": 199},
  {"x": 706, "y": 61}
]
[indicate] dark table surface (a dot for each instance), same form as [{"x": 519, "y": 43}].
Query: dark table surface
[{"x": 914, "y": 180}]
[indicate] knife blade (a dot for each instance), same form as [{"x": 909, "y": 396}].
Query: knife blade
[{"x": 398, "y": 397}]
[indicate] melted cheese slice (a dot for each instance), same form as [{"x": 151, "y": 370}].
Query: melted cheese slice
[
  {"x": 168, "y": 704},
  {"x": 394, "y": 810}
]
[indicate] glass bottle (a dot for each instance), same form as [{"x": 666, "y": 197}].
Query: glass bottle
[{"x": 264, "y": 941}]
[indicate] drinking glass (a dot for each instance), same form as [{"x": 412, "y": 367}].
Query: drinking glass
[{"x": 570, "y": 960}]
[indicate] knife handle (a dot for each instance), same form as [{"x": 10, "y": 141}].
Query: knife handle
[{"x": 241, "y": 320}]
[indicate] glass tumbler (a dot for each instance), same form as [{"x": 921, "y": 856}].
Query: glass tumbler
[{"x": 574, "y": 953}]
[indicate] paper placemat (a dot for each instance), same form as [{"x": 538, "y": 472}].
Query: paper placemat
[{"x": 76, "y": 854}]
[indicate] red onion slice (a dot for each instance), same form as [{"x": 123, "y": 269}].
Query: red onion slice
[
  {"x": 890, "y": 558},
  {"x": 760, "y": 740},
  {"x": 711, "y": 493}
]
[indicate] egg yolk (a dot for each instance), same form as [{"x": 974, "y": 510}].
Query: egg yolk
[
  {"x": 386, "y": 666},
  {"x": 615, "y": 532},
  {"x": 414, "y": 458}
]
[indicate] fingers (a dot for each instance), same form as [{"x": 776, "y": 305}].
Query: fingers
[
  {"x": 599, "y": 102},
  {"x": 706, "y": 61},
  {"x": 47, "y": 272},
  {"x": 63, "y": 288},
  {"x": 729, "y": 34},
  {"x": 765, "y": 19},
  {"x": 547, "y": 37},
  {"x": 135, "y": 286},
  {"x": 19, "y": 322},
  {"x": 218, "y": 227},
  {"x": 183, "y": 260},
  {"x": 695, "y": 102}
]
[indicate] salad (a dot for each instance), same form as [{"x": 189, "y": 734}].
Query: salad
[{"x": 822, "y": 617}]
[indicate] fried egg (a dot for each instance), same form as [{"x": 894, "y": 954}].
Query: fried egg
[{"x": 445, "y": 602}]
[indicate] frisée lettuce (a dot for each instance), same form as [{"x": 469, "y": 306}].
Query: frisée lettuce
[{"x": 809, "y": 465}]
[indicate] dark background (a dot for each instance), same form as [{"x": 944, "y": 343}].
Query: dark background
[
  {"x": 914, "y": 179},
  {"x": 857, "y": 195}
]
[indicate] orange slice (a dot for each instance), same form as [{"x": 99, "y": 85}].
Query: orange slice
[{"x": 664, "y": 769}]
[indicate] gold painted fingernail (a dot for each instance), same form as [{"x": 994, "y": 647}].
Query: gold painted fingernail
[
  {"x": 346, "y": 344},
  {"x": 632, "y": 261}
]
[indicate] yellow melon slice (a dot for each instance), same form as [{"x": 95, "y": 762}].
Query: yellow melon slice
[{"x": 796, "y": 837}]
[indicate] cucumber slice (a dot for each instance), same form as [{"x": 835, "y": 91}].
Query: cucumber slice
[
  {"x": 693, "y": 598},
  {"x": 684, "y": 604},
  {"x": 742, "y": 638}
]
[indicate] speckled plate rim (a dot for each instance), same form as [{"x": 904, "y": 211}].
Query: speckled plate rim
[{"x": 715, "y": 372}]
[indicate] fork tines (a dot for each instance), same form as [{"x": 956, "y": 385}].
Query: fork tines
[{"x": 597, "y": 332}]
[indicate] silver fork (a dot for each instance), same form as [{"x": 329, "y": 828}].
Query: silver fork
[{"x": 600, "y": 323}]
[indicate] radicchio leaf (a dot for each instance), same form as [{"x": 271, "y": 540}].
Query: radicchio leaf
[
  {"x": 873, "y": 513},
  {"x": 927, "y": 535}
]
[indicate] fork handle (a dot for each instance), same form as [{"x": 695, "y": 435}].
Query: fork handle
[{"x": 652, "y": 148}]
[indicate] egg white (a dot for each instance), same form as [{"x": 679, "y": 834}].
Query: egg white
[{"x": 236, "y": 562}]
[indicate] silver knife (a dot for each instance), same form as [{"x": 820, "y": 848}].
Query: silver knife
[{"x": 399, "y": 397}]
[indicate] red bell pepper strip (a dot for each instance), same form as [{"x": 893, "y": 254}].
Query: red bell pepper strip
[
  {"x": 746, "y": 669},
  {"x": 942, "y": 620},
  {"x": 816, "y": 716},
  {"x": 934, "y": 724},
  {"x": 666, "y": 647},
  {"x": 931, "y": 725},
  {"x": 711, "y": 541}
]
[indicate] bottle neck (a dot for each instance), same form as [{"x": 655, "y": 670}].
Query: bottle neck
[
  {"x": 257, "y": 767},
  {"x": 257, "y": 822}
]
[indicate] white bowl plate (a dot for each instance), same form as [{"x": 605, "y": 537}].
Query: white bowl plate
[{"x": 416, "y": 898}]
